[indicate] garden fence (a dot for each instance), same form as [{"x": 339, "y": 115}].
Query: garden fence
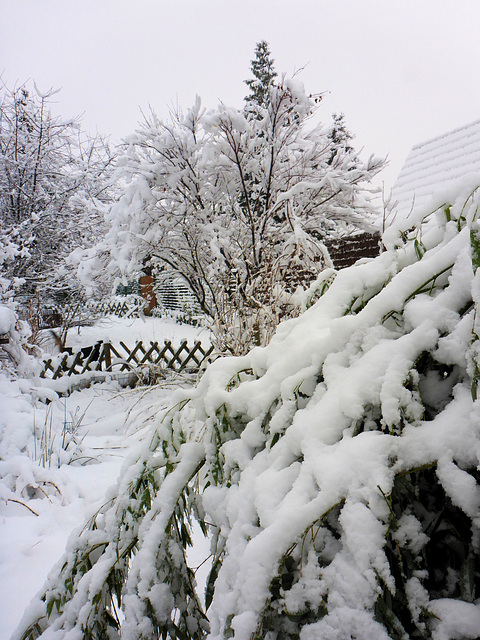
[
  {"x": 121, "y": 309},
  {"x": 105, "y": 357}
]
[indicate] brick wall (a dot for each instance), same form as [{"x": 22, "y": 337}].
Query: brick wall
[{"x": 346, "y": 251}]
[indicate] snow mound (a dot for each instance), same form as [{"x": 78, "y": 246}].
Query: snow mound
[{"x": 7, "y": 319}]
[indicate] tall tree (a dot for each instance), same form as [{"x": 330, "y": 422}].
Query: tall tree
[
  {"x": 340, "y": 137},
  {"x": 238, "y": 205},
  {"x": 263, "y": 74},
  {"x": 53, "y": 186}
]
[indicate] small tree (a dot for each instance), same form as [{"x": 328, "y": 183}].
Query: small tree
[
  {"x": 340, "y": 137},
  {"x": 238, "y": 202},
  {"x": 263, "y": 74},
  {"x": 335, "y": 470}
]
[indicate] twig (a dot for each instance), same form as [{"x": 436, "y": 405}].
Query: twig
[{"x": 23, "y": 505}]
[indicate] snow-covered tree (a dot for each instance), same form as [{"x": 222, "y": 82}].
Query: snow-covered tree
[
  {"x": 53, "y": 185},
  {"x": 340, "y": 136},
  {"x": 335, "y": 471},
  {"x": 238, "y": 202},
  {"x": 263, "y": 73}
]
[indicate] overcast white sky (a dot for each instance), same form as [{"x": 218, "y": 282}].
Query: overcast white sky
[{"x": 402, "y": 71}]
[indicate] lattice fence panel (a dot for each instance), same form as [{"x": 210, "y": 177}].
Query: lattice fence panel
[
  {"x": 121, "y": 309},
  {"x": 105, "y": 356}
]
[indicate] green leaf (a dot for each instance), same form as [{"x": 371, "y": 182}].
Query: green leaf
[
  {"x": 419, "y": 248},
  {"x": 146, "y": 499},
  {"x": 50, "y": 604},
  {"x": 475, "y": 249},
  {"x": 275, "y": 439},
  {"x": 210, "y": 588}
]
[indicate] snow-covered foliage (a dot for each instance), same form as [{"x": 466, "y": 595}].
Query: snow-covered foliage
[
  {"x": 237, "y": 203},
  {"x": 335, "y": 470},
  {"x": 53, "y": 187},
  {"x": 14, "y": 357}
]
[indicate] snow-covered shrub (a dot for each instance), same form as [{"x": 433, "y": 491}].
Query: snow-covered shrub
[
  {"x": 14, "y": 358},
  {"x": 335, "y": 470}
]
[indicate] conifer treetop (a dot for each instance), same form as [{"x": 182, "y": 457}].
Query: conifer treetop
[{"x": 263, "y": 70}]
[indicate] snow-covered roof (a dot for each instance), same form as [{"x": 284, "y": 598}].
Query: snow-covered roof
[{"x": 432, "y": 165}]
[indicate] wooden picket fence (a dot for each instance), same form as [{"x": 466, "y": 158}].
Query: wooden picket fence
[{"x": 105, "y": 357}]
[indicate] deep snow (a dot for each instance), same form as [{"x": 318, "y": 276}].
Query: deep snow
[{"x": 46, "y": 490}]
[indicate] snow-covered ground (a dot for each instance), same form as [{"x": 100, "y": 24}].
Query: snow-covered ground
[
  {"x": 50, "y": 484},
  {"x": 130, "y": 330}
]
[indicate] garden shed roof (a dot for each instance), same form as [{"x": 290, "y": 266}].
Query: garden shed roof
[{"x": 434, "y": 164}]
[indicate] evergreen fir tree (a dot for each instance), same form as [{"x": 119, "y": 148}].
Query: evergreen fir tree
[
  {"x": 340, "y": 137},
  {"x": 264, "y": 73}
]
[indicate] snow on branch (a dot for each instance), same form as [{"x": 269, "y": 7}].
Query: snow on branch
[{"x": 210, "y": 197}]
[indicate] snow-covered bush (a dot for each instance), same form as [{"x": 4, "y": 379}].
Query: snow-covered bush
[
  {"x": 12, "y": 356},
  {"x": 14, "y": 359},
  {"x": 335, "y": 471}
]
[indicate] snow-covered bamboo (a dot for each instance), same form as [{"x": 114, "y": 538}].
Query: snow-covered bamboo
[{"x": 337, "y": 469}]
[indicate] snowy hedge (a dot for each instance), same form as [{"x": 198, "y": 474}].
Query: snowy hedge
[{"x": 335, "y": 471}]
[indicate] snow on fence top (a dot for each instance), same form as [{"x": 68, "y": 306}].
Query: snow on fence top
[
  {"x": 103, "y": 356},
  {"x": 434, "y": 164}
]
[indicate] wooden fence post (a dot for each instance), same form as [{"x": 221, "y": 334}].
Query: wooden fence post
[{"x": 107, "y": 356}]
